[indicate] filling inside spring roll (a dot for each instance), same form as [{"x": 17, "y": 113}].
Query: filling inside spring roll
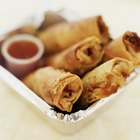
[
  {"x": 69, "y": 90},
  {"x": 88, "y": 53},
  {"x": 127, "y": 46},
  {"x": 105, "y": 80},
  {"x": 132, "y": 43}
]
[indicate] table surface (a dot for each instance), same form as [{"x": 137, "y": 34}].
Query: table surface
[{"x": 117, "y": 120}]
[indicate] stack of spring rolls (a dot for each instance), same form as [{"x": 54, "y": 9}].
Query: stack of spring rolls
[{"x": 82, "y": 63}]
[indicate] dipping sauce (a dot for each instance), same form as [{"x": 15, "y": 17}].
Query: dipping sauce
[
  {"x": 22, "y": 54},
  {"x": 22, "y": 49}
]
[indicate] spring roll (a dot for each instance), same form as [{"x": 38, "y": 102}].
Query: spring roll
[
  {"x": 79, "y": 58},
  {"x": 64, "y": 35},
  {"x": 127, "y": 46},
  {"x": 58, "y": 88},
  {"x": 104, "y": 80}
]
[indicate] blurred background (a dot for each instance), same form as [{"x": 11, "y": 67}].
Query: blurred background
[{"x": 121, "y": 15}]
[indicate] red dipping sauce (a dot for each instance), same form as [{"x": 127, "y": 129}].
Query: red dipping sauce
[
  {"x": 22, "y": 49},
  {"x": 22, "y": 54}
]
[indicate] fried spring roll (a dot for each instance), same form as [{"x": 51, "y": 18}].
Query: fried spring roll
[
  {"x": 79, "y": 58},
  {"x": 104, "y": 80},
  {"x": 58, "y": 88},
  {"x": 64, "y": 35},
  {"x": 126, "y": 46}
]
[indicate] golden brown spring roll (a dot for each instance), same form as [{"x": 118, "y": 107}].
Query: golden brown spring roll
[
  {"x": 127, "y": 46},
  {"x": 79, "y": 58},
  {"x": 104, "y": 80},
  {"x": 64, "y": 35},
  {"x": 58, "y": 88}
]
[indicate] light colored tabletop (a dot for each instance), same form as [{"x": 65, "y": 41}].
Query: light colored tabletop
[{"x": 117, "y": 120}]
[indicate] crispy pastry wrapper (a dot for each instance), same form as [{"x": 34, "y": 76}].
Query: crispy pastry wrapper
[
  {"x": 64, "y": 35},
  {"x": 79, "y": 58},
  {"x": 58, "y": 88},
  {"x": 104, "y": 80},
  {"x": 127, "y": 46}
]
